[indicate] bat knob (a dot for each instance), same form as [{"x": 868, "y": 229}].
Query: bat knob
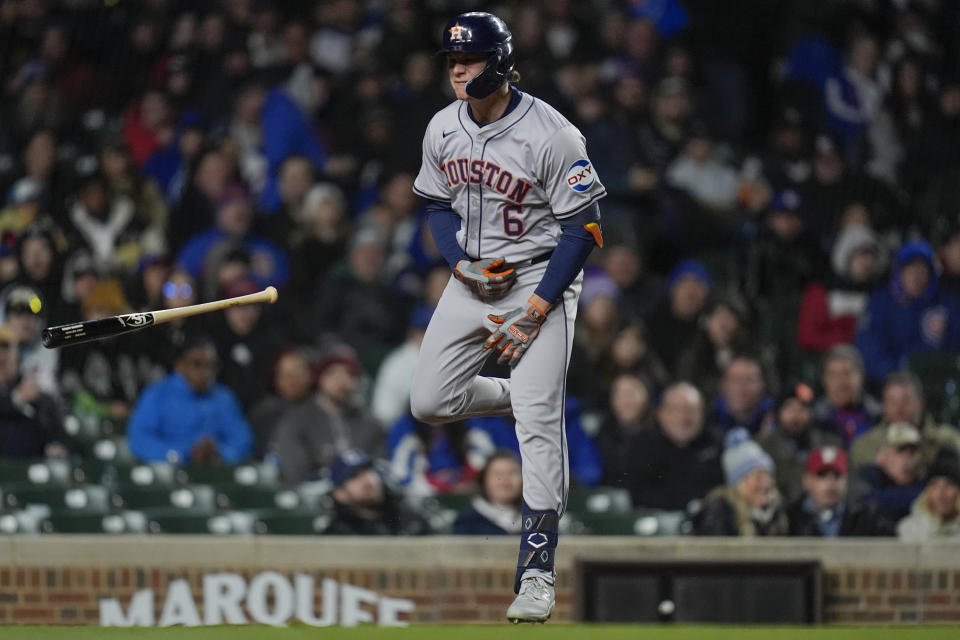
[
  {"x": 46, "y": 337},
  {"x": 271, "y": 294}
]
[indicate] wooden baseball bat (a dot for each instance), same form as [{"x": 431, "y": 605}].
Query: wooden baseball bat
[{"x": 90, "y": 330}]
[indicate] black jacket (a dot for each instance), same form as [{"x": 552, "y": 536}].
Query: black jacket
[
  {"x": 858, "y": 520},
  {"x": 394, "y": 519},
  {"x": 661, "y": 475}
]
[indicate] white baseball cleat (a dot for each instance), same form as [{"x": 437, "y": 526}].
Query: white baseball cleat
[{"x": 534, "y": 603}]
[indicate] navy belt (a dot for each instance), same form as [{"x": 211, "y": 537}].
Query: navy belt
[{"x": 532, "y": 261}]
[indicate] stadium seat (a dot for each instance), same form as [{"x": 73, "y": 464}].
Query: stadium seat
[
  {"x": 607, "y": 523},
  {"x": 194, "y": 521},
  {"x": 124, "y": 522},
  {"x": 113, "y": 450},
  {"x": 21, "y": 522},
  {"x": 244, "y": 474},
  {"x": 599, "y": 500},
  {"x": 234, "y": 496},
  {"x": 190, "y": 497},
  {"x": 89, "y": 498},
  {"x": 285, "y": 522},
  {"x": 39, "y": 471}
]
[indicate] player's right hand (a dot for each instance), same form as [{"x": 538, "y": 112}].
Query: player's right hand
[{"x": 486, "y": 278}]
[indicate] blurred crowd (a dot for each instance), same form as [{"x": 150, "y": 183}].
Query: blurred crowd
[{"x": 767, "y": 343}]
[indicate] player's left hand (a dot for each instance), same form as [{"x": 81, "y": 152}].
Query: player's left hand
[{"x": 517, "y": 330}]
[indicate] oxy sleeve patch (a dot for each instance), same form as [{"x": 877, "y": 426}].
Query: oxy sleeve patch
[{"x": 581, "y": 176}]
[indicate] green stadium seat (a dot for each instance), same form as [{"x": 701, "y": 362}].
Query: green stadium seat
[
  {"x": 647, "y": 523},
  {"x": 113, "y": 449},
  {"x": 42, "y": 471},
  {"x": 607, "y": 523},
  {"x": 599, "y": 500},
  {"x": 124, "y": 522},
  {"x": 194, "y": 521},
  {"x": 244, "y": 474},
  {"x": 234, "y": 496},
  {"x": 20, "y": 522},
  {"x": 315, "y": 495},
  {"x": 88, "y": 498},
  {"x": 191, "y": 497},
  {"x": 293, "y": 523}
]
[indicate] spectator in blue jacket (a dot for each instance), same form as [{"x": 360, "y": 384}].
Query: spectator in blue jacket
[
  {"x": 234, "y": 219},
  {"x": 909, "y": 315},
  {"x": 496, "y": 511},
  {"x": 283, "y": 132},
  {"x": 187, "y": 416},
  {"x": 743, "y": 400}
]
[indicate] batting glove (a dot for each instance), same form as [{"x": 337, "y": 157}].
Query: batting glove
[
  {"x": 484, "y": 277},
  {"x": 517, "y": 330}
]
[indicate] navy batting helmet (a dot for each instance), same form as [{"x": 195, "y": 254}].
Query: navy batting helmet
[{"x": 484, "y": 32}]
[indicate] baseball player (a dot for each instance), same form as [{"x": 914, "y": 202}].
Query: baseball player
[{"x": 512, "y": 204}]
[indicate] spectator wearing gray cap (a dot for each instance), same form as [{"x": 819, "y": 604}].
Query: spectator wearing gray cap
[
  {"x": 894, "y": 480},
  {"x": 904, "y": 401},
  {"x": 749, "y": 504}
]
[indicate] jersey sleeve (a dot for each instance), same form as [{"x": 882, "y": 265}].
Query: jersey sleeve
[
  {"x": 567, "y": 175},
  {"x": 431, "y": 182}
]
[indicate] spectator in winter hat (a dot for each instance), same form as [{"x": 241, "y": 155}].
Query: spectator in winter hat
[
  {"x": 26, "y": 312},
  {"x": 364, "y": 505},
  {"x": 909, "y": 315},
  {"x": 749, "y": 504},
  {"x": 310, "y": 436},
  {"x": 936, "y": 512},
  {"x": 674, "y": 324},
  {"x": 823, "y": 509},
  {"x": 784, "y": 257},
  {"x": 831, "y": 309}
]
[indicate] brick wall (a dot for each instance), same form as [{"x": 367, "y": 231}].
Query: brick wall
[{"x": 899, "y": 586}]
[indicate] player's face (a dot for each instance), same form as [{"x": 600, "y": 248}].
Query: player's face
[{"x": 463, "y": 67}]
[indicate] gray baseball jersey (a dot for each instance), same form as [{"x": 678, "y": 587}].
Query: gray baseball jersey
[{"x": 510, "y": 181}]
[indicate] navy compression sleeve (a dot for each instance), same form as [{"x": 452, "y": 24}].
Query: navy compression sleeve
[
  {"x": 574, "y": 246},
  {"x": 444, "y": 224}
]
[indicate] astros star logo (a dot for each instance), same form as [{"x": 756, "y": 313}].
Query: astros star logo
[{"x": 457, "y": 32}]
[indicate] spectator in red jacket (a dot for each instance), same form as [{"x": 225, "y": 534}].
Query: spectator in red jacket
[{"x": 831, "y": 309}]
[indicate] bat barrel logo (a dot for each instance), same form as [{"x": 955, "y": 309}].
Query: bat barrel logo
[{"x": 136, "y": 319}]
